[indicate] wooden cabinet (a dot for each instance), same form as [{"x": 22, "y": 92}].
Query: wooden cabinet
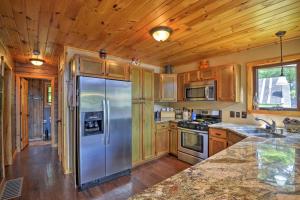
[
  {"x": 166, "y": 87},
  {"x": 173, "y": 139},
  {"x": 220, "y": 139},
  {"x": 208, "y": 74},
  {"x": 117, "y": 70},
  {"x": 143, "y": 137},
  {"x": 91, "y": 66},
  {"x": 216, "y": 145},
  {"x": 193, "y": 76},
  {"x": 217, "y": 140},
  {"x": 162, "y": 139},
  {"x": 102, "y": 68},
  {"x": 147, "y": 131},
  {"x": 228, "y": 80},
  {"x": 234, "y": 138},
  {"x": 181, "y": 81}
]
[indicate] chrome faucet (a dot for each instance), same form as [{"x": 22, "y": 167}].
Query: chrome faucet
[{"x": 270, "y": 126}]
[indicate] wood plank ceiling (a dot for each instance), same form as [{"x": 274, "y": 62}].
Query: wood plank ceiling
[{"x": 202, "y": 28}]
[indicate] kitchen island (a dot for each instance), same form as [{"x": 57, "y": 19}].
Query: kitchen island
[{"x": 255, "y": 168}]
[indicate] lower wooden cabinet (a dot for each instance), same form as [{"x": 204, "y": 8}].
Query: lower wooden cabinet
[
  {"x": 162, "y": 140},
  {"x": 233, "y": 138},
  {"x": 216, "y": 145},
  {"x": 220, "y": 139},
  {"x": 174, "y": 141}
]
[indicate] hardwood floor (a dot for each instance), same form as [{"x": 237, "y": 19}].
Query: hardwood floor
[{"x": 44, "y": 178}]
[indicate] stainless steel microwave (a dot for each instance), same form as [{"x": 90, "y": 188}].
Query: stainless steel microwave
[{"x": 200, "y": 91}]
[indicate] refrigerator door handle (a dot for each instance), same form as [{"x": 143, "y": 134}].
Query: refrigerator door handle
[
  {"x": 105, "y": 118},
  {"x": 108, "y": 122}
]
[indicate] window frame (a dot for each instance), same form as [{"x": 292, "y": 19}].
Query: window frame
[
  {"x": 46, "y": 93},
  {"x": 255, "y": 83},
  {"x": 251, "y": 85}
]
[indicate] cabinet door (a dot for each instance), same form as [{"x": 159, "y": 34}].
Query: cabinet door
[
  {"x": 193, "y": 76},
  {"x": 136, "y": 80},
  {"x": 216, "y": 145},
  {"x": 180, "y": 86},
  {"x": 162, "y": 141},
  {"x": 208, "y": 74},
  {"x": 173, "y": 141},
  {"x": 148, "y": 85},
  {"x": 226, "y": 83},
  {"x": 137, "y": 133},
  {"x": 117, "y": 70},
  {"x": 168, "y": 87},
  {"x": 234, "y": 138},
  {"x": 91, "y": 66},
  {"x": 148, "y": 133}
]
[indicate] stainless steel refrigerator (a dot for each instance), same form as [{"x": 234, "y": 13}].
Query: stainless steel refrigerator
[{"x": 103, "y": 130}]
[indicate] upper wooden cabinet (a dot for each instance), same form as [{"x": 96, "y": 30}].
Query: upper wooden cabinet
[
  {"x": 228, "y": 80},
  {"x": 181, "y": 81},
  {"x": 148, "y": 84},
  {"x": 117, "y": 70},
  {"x": 209, "y": 73},
  {"x": 102, "y": 68},
  {"x": 91, "y": 66},
  {"x": 165, "y": 87},
  {"x": 193, "y": 76}
]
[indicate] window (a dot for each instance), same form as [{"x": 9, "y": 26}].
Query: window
[
  {"x": 270, "y": 93},
  {"x": 48, "y": 94}
]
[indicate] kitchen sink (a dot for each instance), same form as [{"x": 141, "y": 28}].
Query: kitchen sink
[{"x": 260, "y": 132}]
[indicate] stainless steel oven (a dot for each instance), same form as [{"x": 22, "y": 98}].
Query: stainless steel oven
[
  {"x": 199, "y": 91},
  {"x": 192, "y": 145}
]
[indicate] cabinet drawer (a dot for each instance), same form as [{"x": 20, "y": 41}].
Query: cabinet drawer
[
  {"x": 162, "y": 125},
  {"x": 217, "y": 133}
]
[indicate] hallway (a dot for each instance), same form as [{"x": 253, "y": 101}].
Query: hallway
[{"x": 44, "y": 178}]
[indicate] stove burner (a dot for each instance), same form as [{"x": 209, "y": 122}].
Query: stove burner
[{"x": 198, "y": 125}]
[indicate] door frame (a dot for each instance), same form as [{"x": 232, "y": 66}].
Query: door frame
[{"x": 18, "y": 105}]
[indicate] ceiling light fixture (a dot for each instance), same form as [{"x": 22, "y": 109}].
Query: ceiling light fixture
[
  {"x": 282, "y": 78},
  {"x": 161, "y": 33},
  {"x": 36, "y": 61}
]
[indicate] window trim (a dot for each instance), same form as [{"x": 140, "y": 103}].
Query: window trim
[
  {"x": 46, "y": 103},
  {"x": 251, "y": 84}
]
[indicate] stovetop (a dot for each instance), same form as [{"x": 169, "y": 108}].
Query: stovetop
[{"x": 200, "y": 125}]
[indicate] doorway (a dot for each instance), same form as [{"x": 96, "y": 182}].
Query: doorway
[{"x": 34, "y": 100}]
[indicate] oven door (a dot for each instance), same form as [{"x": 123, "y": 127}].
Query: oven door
[{"x": 193, "y": 142}]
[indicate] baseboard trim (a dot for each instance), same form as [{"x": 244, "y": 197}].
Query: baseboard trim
[{"x": 54, "y": 145}]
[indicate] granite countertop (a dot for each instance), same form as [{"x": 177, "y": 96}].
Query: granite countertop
[{"x": 254, "y": 168}]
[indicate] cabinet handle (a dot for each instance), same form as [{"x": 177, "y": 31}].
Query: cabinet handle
[{"x": 218, "y": 134}]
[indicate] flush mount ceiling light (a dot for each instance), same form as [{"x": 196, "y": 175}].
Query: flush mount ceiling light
[
  {"x": 282, "y": 78},
  {"x": 36, "y": 61},
  {"x": 161, "y": 33}
]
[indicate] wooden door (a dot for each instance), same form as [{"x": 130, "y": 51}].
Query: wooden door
[
  {"x": 24, "y": 113},
  {"x": 226, "y": 86},
  {"x": 216, "y": 145},
  {"x": 181, "y": 81},
  {"x": 137, "y": 140},
  {"x": 35, "y": 108},
  {"x": 91, "y": 66},
  {"x": 148, "y": 85},
  {"x": 168, "y": 87},
  {"x": 208, "y": 74},
  {"x": 136, "y": 80},
  {"x": 174, "y": 141},
  {"x": 162, "y": 141},
  {"x": 148, "y": 133},
  {"x": 117, "y": 70}
]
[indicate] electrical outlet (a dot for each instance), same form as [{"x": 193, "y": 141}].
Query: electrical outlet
[
  {"x": 237, "y": 114},
  {"x": 232, "y": 114},
  {"x": 244, "y": 114}
]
